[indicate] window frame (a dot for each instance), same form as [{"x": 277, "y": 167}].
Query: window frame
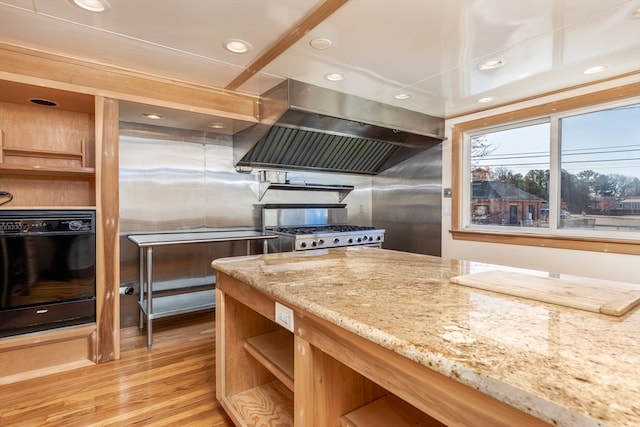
[{"x": 552, "y": 237}]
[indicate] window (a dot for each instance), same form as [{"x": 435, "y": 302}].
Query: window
[
  {"x": 510, "y": 175},
  {"x": 600, "y": 170},
  {"x": 563, "y": 174},
  {"x": 598, "y": 173}
]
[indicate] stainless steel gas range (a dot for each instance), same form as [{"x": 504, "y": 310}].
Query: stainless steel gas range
[{"x": 314, "y": 226}]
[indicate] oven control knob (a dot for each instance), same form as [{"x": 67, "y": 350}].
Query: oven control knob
[
  {"x": 303, "y": 244},
  {"x": 359, "y": 239},
  {"x": 378, "y": 238},
  {"x": 75, "y": 225},
  {"x": 336, "y": 240},
  {"x": 365, "y": 238},
  {"x": 350, "y": 240},
  {"x": 314, "y": 243},
  {"x": 321, "y": 242},
  {"x": 371, "y": 239}
]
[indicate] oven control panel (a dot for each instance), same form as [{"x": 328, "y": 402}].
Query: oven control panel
[{"x": 46, "y": 226}]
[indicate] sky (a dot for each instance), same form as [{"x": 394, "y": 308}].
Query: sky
[{"x": 607, "y": 142}]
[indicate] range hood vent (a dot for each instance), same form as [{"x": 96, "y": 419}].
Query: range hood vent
[{"x": 311, "y": 128}]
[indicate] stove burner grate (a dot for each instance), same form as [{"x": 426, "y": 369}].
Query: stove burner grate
[{"x": 320, "y": 229}]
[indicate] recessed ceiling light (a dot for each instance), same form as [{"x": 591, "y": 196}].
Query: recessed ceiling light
[
  {"x": 402, "y": 96},
  {"x": 491, "y": 64},
  {"x": 486, "y": 99},
  {"x": 334, "y": 77},
  {"x": 97, "y": 6},
  {"x": 237, "y": 46},
  {"x": 321, "y": 43},
  {"x": 153, "y": 116},
  {"x": 43, "y": 102},
  {"x": 217, "y": 125},
  {"x": 595, "y": 70}
]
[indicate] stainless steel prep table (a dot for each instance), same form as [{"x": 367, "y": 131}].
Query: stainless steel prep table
[{"x": 181, "y": 303}]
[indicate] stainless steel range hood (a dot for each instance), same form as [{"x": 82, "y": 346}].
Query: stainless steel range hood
[{"x": 308, "y": 127}]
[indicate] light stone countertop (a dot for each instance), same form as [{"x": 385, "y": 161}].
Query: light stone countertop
[{"x": 568, "y": 367}]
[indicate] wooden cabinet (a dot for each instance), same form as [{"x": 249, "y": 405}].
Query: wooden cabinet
[
  {"x": 268, "y": 376},
  {"x": 63, "y": 156},
  {"x": 47, "y": 153},
  {"x": 255, "y": 358}
]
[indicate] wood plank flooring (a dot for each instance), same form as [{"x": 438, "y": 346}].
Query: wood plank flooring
[{"x": 173, "y": 384}]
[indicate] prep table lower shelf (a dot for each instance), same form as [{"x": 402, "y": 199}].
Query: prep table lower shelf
[
  {"x": 163, "y": 306},
  {"x": 172, "y": 305}
]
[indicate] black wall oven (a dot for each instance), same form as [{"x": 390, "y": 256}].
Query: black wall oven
[{"x": 47, "y": 269}]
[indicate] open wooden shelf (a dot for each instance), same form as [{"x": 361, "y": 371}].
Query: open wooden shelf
[
  {"x": 274, "y": 351},
  {"x": 19, "y": 152},
  {"x": 388, "y": 411},
  {"x": 38, "y": 170},
  {"x": 43, "y": 168},
  {"x": 269, "y": 404}
]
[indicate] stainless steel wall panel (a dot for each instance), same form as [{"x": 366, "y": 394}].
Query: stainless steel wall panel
[
  {"x": 161, "y": 184},
  {"x": 174, "y": 180},
  {"x": 407, "y": 203},
  {"x": 229, "y": 199}
]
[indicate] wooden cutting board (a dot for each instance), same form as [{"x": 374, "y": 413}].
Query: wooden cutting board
[{"x": 607, "y": 298}]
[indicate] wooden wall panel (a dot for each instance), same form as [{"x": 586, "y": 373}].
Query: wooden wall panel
[
  {"x": 108, "y": 241},
  {"x": 41, "y": 353}
]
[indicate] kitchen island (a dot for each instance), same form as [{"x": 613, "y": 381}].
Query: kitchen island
[{"x": 330, "y": 337}]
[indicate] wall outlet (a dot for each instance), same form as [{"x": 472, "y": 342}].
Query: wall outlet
[{"x": 284, "y": 316}]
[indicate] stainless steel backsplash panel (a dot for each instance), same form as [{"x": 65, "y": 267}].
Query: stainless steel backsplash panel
[
  {"x": 158, "y": 179},
  {"x": 284, "y": 217},
  {"x": 174, "y": 180}
]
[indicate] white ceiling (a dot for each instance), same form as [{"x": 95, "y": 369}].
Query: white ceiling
[{"x": 429, "y": 48}]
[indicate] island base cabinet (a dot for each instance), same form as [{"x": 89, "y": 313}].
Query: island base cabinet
[
  {"x": 325, "y": 389},
  {"x": 389, "y": 410},
  {"x": 257, "y": 361},
  {"x": 338, "y": 378},
  {"x": 248, "y": 391}
]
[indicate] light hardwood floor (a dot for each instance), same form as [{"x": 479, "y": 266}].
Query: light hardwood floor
[{"x": 173, "y": 384}]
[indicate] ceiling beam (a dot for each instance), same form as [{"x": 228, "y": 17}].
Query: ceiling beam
[
  {"x": 37, "y": 68},
  {"x": 295, "y": 34}
]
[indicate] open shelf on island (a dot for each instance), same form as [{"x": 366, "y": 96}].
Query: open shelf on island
[
  {"x": 387, "y": 411},
  {"x": 269, "y": 404},
  {"x": 274, "y": 351}
]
